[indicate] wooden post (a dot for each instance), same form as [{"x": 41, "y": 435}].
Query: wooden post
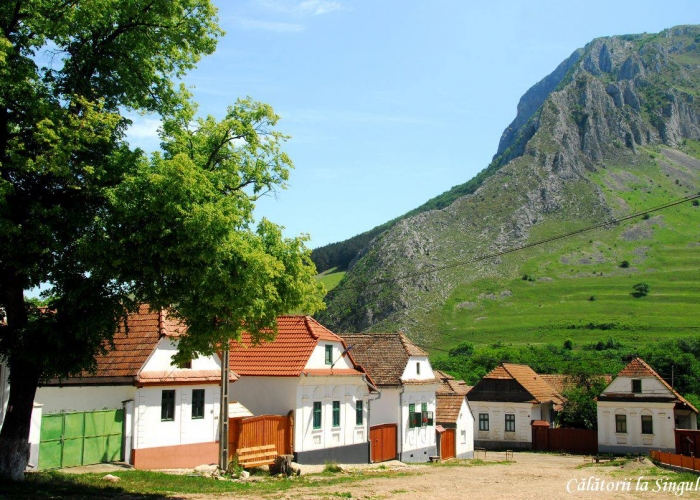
[{"x": 223, "y": 413}]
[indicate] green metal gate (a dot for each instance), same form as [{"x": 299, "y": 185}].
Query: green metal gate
[{"x": 80, "y": 438}]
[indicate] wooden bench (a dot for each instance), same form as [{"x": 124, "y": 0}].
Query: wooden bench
[
  {"x": 256, "y": 456},
  {"x": 599, "y": 458}
]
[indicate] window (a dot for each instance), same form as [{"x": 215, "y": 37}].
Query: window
[
  {"x": 359, "y": 420},
  {"x": 426, "y": 416},
  {"x": 510, "y": 422},
  {"x": 336, "y": 413},
  {"x": 329, "y": 354},
  {"x": 647, "y": 425},
  {"x": 418, "y": 368},
  {"x": 197, "y": 403},
  {"x": 317, "y": 414},
  {"x": 636, "y": 386},
  {"x": 483, "y": 421},
  {"x": 167, "y": 405},
  {"x": 621, "y": 424},
  {"x": 414, "y": 417}
]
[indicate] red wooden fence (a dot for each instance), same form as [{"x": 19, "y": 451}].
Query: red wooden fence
[
  {"x": 692, "y": 463},
  {"x": 582, "y": 441},
  {"x": 383, "y": 439},
  {"x": 260, "y": 431},
  {"x": 447, "y": 444}
]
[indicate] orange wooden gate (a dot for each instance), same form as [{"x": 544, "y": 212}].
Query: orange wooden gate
[
  {"x": 260, "y": 431},
  {"x": 383, "y": 439},
  {"x": 447, "y": 444},
  {"x": 582, "y": 441}
]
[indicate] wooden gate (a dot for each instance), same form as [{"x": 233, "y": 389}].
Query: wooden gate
[
  {"x": 383, "y": 439},
  {"x": 447, "y": 444},
  {"x": 80, "y": 438},
  {"x": 688, "y": 442},
  {"x": 260, "y": 431},
  {"x": 581, "y": 441}
]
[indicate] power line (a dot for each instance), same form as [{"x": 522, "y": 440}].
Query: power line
[{"x": 527, "y": 245}]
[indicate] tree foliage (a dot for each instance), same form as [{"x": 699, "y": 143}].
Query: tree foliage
[{"x": 107, "y": 227}]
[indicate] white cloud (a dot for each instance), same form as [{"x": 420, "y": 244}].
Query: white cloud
[
  {"x": 271, "y": 26},
  {"x": 319, "y": 7},
  {"x": 303, "y": 8},
  {"x": 143, "y": 132}
]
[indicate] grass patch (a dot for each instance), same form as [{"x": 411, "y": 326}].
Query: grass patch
[{"x": 330, "y": 278}]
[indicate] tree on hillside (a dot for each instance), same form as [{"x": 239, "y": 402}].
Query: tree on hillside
[{"x": 105, "y": 226}]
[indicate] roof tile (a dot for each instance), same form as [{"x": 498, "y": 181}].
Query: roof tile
[{"x": 383, "y": 355}]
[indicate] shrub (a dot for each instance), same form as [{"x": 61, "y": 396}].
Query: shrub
[
  {"x": 625, "y": 264},
  {"x": 696, "y": 203},
  {"x": 332, "y": 466},
  {"x": 568, "y": 344},
  {"x": 641, "y": 289},
  {"x": 591, "y": 298}
]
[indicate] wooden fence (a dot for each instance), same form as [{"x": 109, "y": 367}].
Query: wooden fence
[
  {"x": 260, "y": 431},
  {"x": 691, "y": 463},
  {"x": 582, "y": 441}
]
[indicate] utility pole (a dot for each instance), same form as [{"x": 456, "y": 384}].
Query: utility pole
[{"x": 223, "y": 413}]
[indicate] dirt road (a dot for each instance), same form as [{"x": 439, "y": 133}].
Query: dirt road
[{"x": 530, "y": 476}]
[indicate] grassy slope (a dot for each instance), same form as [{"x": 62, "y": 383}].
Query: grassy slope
[
  {"x": 330, "y": 278},
  {"x": 663, "y": 251}
]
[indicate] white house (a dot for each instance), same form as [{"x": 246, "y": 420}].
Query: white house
[
  {"x": 505, "y": 403},
  {"x": 454, "y": 418},
  {"x": 169, "y": 415},
  {"x": 407, "y": 404},
  {"x": 639, "y": 411},
  {"x": 307, "y": 370}
]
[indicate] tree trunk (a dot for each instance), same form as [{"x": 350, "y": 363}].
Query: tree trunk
[
  {"x": 14, "y": 437},
  {"x": 24, "y": 379}
]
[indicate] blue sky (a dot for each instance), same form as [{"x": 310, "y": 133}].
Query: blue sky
[{"x": 390, "y": 103}]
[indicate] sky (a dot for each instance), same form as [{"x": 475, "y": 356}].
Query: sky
[{"x": 390, "y": 103}]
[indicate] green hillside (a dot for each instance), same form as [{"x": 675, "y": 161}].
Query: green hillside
[{"x": 579, "y": 289}]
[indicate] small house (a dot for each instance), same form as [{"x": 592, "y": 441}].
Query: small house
[
  {"x": 639, "y": 411},
  {"x": 454, "y": 418}
]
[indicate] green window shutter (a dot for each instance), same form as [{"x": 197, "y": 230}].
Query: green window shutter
[
  {"x": 359, "y": 419},
  {"x": 411, "y": 416},
  {"x": 197, "y": 403},
  {"x": 336, "y": 413},
  {"x": 317, "y": 414}
]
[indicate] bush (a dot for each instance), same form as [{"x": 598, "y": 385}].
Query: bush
[
  {"x": 568, "y": 344},
  {"x": 641, "y": 289},
  {"x": 591, "y": 298},
  {"x": 625, "y": 264}
]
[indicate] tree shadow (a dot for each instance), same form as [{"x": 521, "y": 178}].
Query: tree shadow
[{"x": 63, "y": 486}]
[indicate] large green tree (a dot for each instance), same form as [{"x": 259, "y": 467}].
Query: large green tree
[{"x": 106, "y": 227}]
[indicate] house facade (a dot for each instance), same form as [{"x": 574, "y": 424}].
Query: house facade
[
  {"x": 505, "y": 403},
  {"x": 639, "y": 411},
  {"x": 403, "y": 374},
  {"x": 454, "y": 418},
  {"x": 168, "y": 415},
  {"x": 308, "y": 371}
]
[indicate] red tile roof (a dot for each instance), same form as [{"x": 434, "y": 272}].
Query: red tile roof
[
  {"x": 180, "y": 377},
  {"x": 448, "y": 406},
  {"x": 133, "y": 344},
  {"x": 287, "y": 354},
  {"x": 639, "y": 368}
]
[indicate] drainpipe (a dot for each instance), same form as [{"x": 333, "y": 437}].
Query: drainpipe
[
  {"x": 369, "y": 409},
  {"x": 400, "y": 426}
]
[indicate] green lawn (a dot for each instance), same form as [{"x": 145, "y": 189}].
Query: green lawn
[{"x": 331, "y": 277}]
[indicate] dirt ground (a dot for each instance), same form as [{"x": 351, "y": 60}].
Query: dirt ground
[{"x": 529, "y": 476}]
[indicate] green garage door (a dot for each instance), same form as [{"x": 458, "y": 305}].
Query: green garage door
[{"x": 80, "y": 438}]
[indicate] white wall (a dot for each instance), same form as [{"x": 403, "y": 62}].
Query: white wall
[
  {"x": 83, "y": 398},
  {"x": 317, "y": 360},
  {"x": 386, "y": 409},
  {"x": 162, "y": 356},
  {"x": 265, "y": 395},
  {"x": 410, "y": 372},
  {"x": 347, "y": 390},
  {"x": 524, "y": 414},
  {"x": 651, "y": 386},
  {"x": 465, "y": 431},
  {"x": 151, "y": 432},
  {"x": 663, "y": 426},
  {"x": 417, "y": 438}
]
